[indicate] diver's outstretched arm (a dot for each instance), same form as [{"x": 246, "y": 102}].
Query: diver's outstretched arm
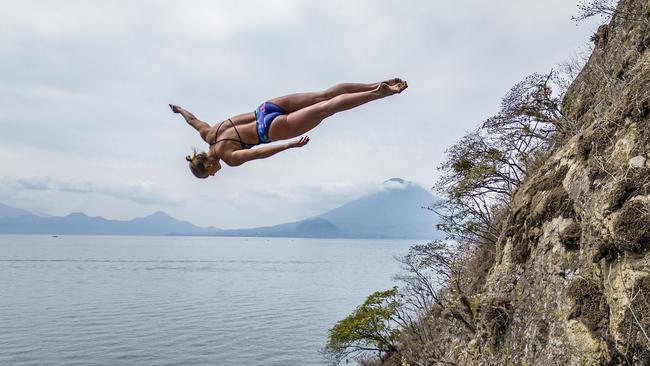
[
  {"x": 239, "y": 157},
  {"x": 202, "y": 127}
]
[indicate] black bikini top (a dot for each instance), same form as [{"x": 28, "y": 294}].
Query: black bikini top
[{"x": 243, "y": 145}]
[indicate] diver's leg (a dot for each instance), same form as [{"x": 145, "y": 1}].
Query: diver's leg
[
  {"x": 297, "y": 123},
  {"x": 293, "y": 102}
]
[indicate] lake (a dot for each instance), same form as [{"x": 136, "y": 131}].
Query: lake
[{"x": 111, "y": 300}]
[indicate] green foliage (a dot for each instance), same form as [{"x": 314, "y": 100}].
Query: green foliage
[
  {"x": 462, "y": 166},
  {"x": 370, "y": 328}
]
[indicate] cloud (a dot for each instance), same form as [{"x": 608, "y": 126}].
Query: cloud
[
  {"x": 36, "y": 184},
  {"x": 145, "y": 193},
  {"x": 85, "y": 87},
  {"x": 396, "y": 183}
]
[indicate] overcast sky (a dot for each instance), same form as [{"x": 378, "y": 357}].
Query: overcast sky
[{"x": 84, "y": 88}]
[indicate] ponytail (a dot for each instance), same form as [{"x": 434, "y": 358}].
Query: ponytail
[{"x": 191, "y": 158}]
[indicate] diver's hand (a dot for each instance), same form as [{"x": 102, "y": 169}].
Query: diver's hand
[
  {"x": 175, "y": 108},
  {"x": 299, "y": 143}
]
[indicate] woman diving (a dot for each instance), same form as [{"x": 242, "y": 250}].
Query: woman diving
[{"x": 281, "y": 118}]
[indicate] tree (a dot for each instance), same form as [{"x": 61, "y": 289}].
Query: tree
[
  {"x": 433, "y": 276},
  {"x": 472, "y": 181},
  {"x": 371, "y": 328},
  {"x": 486, "y": 166},
  {"x": 530, "y": 114},
  {"x": 588, "y": 9}
]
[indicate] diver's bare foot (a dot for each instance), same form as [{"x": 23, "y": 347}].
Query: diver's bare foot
[
  {"x": 175, "y": 108},
  {"x": 394, "y": 81},
  {"x": 384, "y": 89}
]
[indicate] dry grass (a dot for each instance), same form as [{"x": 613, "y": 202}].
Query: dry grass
[
  {"x": 549, "y": 181},
  {"x": 571, "y": 236},
  {"x": 635, "y": 326},
  {"x": 632, "y": 227},
  {"x": 635, "y": 182},
  {"x": 495, "y": 316},
  {"x": 590, "y": 307}
]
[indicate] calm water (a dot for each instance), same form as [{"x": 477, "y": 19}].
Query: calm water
[{"x": 192, "y": 301}]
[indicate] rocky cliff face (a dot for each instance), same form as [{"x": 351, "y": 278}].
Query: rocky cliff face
[{"x": 571, "y": 282}]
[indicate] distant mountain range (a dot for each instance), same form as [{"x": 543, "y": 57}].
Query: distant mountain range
[
  {"x": 8, "y": 211},
  {"x": 77, "y": 223},
  {"x": 394, "y": 212}
]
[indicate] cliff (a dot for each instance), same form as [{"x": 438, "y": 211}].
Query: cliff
[{"x": 571, "y": 280}]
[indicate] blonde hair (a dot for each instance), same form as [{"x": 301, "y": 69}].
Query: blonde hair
[{"x": 197, "y": 162}]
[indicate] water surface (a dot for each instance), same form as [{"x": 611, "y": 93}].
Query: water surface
[{"x": 80, "y": 300}]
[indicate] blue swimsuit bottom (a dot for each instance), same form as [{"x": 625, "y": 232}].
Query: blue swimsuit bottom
[{"x": 265, "y": 114}]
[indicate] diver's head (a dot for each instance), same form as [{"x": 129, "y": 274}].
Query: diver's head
[{"x": 203, "y": 165}]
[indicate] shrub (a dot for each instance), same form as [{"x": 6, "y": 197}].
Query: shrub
[{"x": 371, "y": 328}]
